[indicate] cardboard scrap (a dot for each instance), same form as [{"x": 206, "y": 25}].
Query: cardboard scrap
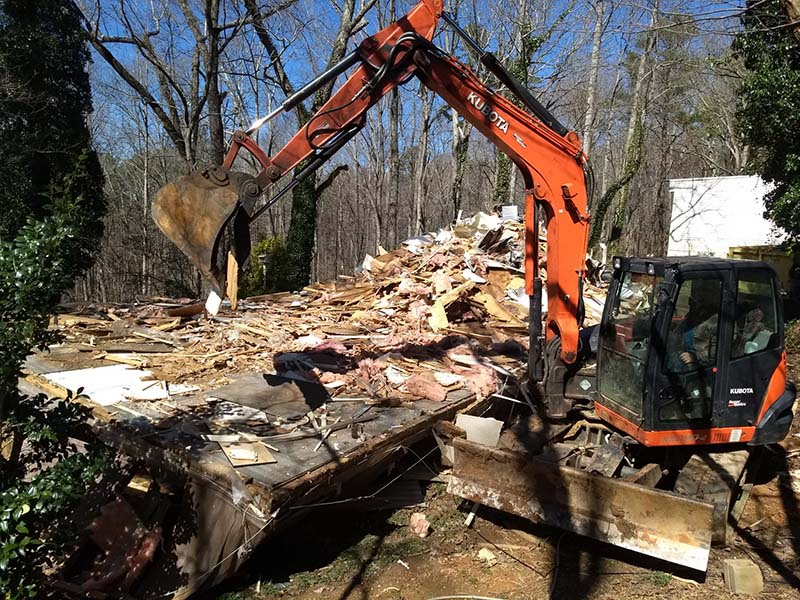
[{"x": 247, "y": 454}]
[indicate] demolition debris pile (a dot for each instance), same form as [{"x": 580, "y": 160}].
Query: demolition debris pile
[
  {"x": 278, "y": 404},
  {"x": 444, "y": 311}
]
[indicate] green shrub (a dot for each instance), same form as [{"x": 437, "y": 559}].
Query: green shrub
[
  {"x": 29, "y": 543},
  {"x": 51, "y": 190},
  {"x": 264, "y": 272}
]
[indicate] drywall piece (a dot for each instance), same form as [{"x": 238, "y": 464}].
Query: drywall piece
[
  {"x": 108, "y": 385},
  {"x": 481, "y": 430},
  {"x": 103, "y": 385},
  {"x": 213, "y": 303}
]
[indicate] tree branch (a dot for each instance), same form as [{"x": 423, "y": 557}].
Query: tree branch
[
  {"x": 326, "y": 183},
  {"x": 170, "y": 127},
  {"x": 266, "y": 40}
]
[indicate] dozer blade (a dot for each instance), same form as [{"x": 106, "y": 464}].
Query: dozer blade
[
  {"x": 639, "y": 518},
  {"x": 194, "y": 211}
]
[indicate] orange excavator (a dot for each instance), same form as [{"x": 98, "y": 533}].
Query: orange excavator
[{"x": 647, "y": 425}]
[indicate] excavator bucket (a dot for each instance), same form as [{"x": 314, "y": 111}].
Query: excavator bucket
[
  {"x": 636, "y": 517},
  {"x": 194, "y": 211}
]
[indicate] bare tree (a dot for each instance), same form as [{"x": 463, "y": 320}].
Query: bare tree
[
  {"x": 185, "y": 86},
  {"x": 634, "y": 142},
  {"x": 302, "y": 228},
  {"x": 594, "y": 72},
  {"x": 421, "y": 163}
]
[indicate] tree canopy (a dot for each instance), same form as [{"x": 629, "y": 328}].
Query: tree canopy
[
  {"x": 45, "y": 98},
  {"x": 768, "y": 101},
  {"x": 51, "y": 183}
]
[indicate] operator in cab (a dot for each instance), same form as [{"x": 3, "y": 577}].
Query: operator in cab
[{"x": 693, "y": 339}]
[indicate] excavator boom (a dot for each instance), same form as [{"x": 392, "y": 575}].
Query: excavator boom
[{"x": 195, "y": 211}]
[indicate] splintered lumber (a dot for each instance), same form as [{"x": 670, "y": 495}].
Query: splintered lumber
[
  {"x": 68, "y": 320},
  {"x": 233, "y": 281},
  {"x": 438, "y": 319},
  {"x": 131, "y": 347},
  {"x": 125, "y": 359},
  {"x": 496, "y": 310}
]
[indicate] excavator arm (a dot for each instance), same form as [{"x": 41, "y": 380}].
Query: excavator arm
[
  {"x": 552, "y": 166},
  {"x": 195, "y": 210}
]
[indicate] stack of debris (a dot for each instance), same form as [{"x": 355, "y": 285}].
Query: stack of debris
[
  {"x": 293, "y": 393},
  {"x": 443, "y": 312}
]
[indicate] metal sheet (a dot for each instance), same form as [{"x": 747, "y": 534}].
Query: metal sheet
[{"x": 653, "y": 522}]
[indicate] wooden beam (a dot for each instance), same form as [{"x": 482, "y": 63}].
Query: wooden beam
[{"x": 233, "y": 281}]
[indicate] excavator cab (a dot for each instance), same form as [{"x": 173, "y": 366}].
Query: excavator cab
[{"x": 691, "y": 352}]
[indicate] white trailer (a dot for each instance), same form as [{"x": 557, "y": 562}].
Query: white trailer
[{"x": 710, "y": 215}]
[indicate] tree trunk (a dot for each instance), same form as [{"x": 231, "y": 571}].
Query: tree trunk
[
  {"x": 792, "y": 8},
  {"x": 300, "y": 239},
  {"x": 505, "y": 173},
  {"x": 394, "y": 154},
  {"x": 648, "y": 233},
  {"x": 591, "y": 100},
  {"x": 634, "y": 145},
  {"x": 461, "y": 131},
  {"x": 337, "y": 251},
  {"x": 145, "y": 205},
  {"x": 215, "y": 130},
  {"x": 303, "y": 222},
  {"x": 421, "y": 164},
  {"x": 502, "y": 178}
]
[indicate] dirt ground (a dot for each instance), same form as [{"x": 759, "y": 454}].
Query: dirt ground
[{"x": 356, "y": 554}]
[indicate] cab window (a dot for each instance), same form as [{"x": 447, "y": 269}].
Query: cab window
[
  {"x": 692, "y": 340},
  {"x": 625, "y": 339},
  {"x": 756, "y": 314},
  {"x": 691, "y": 356}
]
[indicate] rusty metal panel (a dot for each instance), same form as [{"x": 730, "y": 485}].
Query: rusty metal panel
[{"x": 653, "y": 522}]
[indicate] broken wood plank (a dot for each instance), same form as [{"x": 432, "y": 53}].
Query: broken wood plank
[
  {"x": 189, "y": 310},
  {"x": 155, "y": 338},
  {"x": 134, "y": 361},
  {"x": 128, "y": 347},
  {"x": 232, "y": 284}
]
